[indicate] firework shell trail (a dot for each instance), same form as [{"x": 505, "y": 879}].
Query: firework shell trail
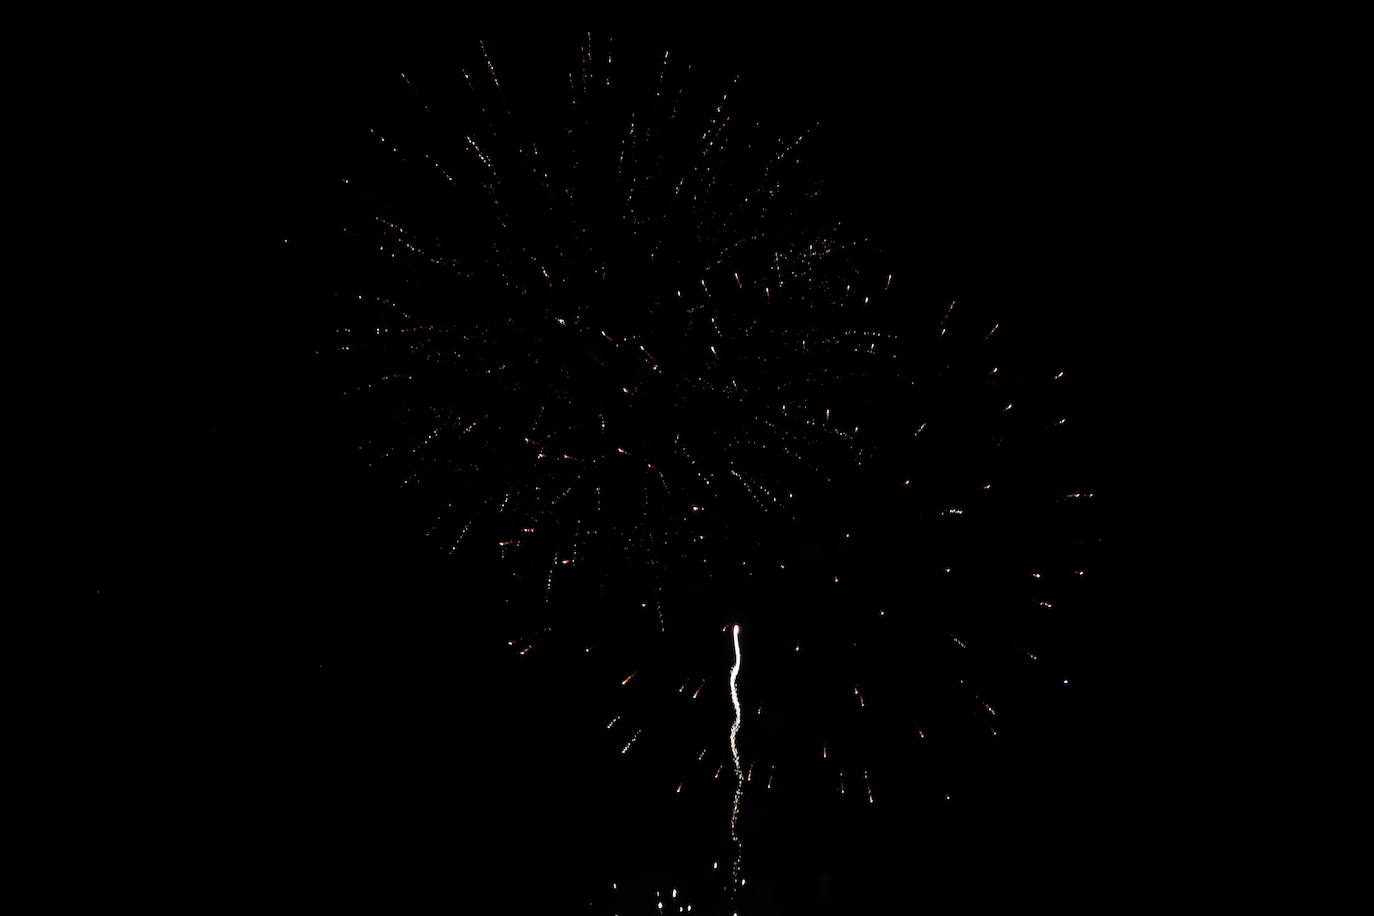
[{"x": 734, "y": 754}]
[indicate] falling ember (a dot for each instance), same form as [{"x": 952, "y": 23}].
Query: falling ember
[{"x": 630, "y": 743}]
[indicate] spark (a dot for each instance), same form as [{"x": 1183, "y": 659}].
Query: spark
[{"x": 630, "y": 743}]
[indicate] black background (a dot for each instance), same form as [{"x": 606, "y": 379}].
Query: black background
[{"x": 243, "y": 684}]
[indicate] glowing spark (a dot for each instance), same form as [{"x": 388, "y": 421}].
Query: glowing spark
[{"x": 630, "y": 743}]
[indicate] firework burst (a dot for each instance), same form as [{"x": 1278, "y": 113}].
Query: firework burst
[{"x": 648, "y": 383}]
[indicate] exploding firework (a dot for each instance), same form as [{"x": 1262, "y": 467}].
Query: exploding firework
[{"x": 645, "y": 383}]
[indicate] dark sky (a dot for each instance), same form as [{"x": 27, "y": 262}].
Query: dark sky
[{"x": 249, "y": 685}]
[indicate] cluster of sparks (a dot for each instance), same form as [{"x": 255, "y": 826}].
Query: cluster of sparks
[
  {"x": 669, "y": 901},
  {"x": 630, "y": 366}
]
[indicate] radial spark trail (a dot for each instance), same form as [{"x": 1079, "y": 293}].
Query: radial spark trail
[{"x": 734, "y": 753}]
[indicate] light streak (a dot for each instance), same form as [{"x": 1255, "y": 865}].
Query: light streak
[{"x": 734, "y": 754}]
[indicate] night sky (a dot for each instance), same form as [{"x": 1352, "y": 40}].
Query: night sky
[{"x": 250, "y": 683}]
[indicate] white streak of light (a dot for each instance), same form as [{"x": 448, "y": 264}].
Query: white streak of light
[{"x": 734, "y": 753}]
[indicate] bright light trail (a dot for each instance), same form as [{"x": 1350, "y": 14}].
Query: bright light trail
[{"x": 734, "y": 753}]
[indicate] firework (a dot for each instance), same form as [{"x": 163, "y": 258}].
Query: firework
[{"x": 645, "y": 383}]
